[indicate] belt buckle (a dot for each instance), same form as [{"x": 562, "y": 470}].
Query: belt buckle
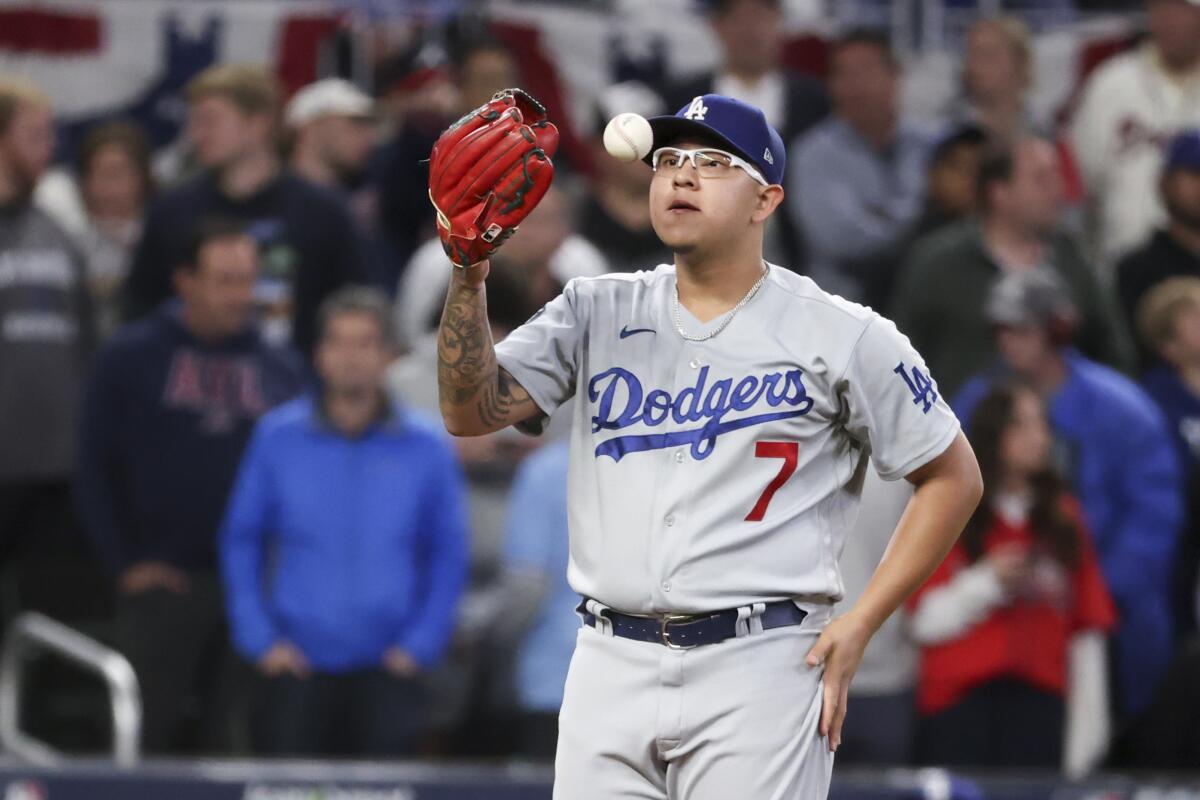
[{"x": 665, "y": 634}]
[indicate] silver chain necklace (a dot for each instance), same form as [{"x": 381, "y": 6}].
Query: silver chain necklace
[{"x": 729, "y": 315}]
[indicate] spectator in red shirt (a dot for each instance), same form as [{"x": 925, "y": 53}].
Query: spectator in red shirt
[{"x": 1012, "y": 621}]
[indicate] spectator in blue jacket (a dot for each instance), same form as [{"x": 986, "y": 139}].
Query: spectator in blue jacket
[
  {"x": 1168, "y": 320},
  {"x": 344, "y": 550},
  {"x": 171, "y": 405},
  {"x": 535, "y": 560},
  {"x": 1120, "y": 458}
]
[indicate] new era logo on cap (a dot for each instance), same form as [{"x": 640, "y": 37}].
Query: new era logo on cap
[{"x": 731, "y": 124}]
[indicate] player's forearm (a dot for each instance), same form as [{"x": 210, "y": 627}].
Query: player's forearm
[
  {"x": 947, "y": 491},
  {"x": 475, "y": 394},
  {"x": 466, "y": 354}
]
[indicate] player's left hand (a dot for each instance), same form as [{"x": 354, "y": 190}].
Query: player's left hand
[{"x": 840, "y": 648}]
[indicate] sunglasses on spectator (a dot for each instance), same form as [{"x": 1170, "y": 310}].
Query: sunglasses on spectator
[{"x": 708, "y": 162}]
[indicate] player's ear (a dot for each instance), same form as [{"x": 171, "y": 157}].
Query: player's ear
[{"x": 769, "y": 198}]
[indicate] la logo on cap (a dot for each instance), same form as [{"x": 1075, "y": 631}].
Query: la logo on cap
[{"x": 697, "y": 109}]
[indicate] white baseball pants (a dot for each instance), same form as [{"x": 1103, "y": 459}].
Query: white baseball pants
[{"x": 737, "y": 720}]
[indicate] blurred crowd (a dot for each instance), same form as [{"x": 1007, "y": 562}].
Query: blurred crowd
[{"x": 219, "y": 443}]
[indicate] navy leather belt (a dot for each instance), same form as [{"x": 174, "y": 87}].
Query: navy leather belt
[{"x": 683, "y": 632}]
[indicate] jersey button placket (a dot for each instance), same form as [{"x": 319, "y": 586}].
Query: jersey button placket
[{"x": 674, "y": 485}]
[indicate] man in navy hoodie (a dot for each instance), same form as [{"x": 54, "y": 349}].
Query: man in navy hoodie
[
  {"x": 170, "y": 406},
  {"x": 308, "y": 243},
  {"x": 344, "y": 550}
]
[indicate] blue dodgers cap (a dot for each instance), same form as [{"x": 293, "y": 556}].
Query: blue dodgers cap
[
  {"x": 738, "y": 127},
  {"x": 1184, "y": 151}
]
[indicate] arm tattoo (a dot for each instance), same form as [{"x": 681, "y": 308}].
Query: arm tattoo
[
  {"x": 469, "y": 379},
  {"x": 466, "y": 360},
  {"x": 496, "y": 404}
]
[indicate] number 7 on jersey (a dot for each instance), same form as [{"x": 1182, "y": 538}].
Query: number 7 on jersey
[{"x": 790, "y": 453}]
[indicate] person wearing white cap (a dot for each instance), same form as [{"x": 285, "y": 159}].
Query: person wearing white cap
[
  {"x": 330, "y": 142},
  {"x": 331, "y": 122}
]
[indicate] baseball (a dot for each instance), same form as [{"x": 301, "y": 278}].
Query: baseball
[{"x": 628, "y": 137}]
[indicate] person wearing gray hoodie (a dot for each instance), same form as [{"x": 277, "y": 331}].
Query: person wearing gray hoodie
[{"x": 45, "y": 341}]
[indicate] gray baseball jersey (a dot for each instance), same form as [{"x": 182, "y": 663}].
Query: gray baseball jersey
[{"x": 716, "y": 474}]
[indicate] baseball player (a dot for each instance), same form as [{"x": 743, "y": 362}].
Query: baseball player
[{"x": 725, "y": 410}]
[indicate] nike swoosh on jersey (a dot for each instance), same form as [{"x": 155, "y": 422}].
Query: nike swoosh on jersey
[{"x": 626, "y": 333}]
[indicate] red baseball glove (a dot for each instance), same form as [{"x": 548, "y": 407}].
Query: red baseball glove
[{"x": 488, "y": 171}]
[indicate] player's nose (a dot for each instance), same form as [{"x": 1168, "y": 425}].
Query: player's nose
[{"x": 685, "y": 176}]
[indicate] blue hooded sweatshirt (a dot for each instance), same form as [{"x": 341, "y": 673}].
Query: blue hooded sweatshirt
[{"x": 345, "y": 546}]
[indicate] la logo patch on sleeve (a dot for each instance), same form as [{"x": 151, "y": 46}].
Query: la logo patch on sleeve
[{"x": 922, "y": 388}]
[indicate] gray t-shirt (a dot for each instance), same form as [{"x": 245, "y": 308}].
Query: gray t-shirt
[{"x": 709, "y": 475}]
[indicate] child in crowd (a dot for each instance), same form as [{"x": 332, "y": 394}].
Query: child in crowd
[{"x": 1012, "y": 621}]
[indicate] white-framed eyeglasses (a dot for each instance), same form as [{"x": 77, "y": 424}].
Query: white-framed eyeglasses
[{"x": 708, "y": 161}]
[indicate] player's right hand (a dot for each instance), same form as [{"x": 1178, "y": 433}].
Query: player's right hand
[
  {"x": 284, "y": 658},
  {"x": 839, "y": 649},
  {"x": 488, "y": 171}
]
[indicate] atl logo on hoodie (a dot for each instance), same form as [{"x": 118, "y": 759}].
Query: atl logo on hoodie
[{"x": 222, "y": 389}]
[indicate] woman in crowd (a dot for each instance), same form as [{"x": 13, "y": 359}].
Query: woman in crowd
[
  {"x": 1011, "y": 625},
  {"x": 997, "y": 76}
]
